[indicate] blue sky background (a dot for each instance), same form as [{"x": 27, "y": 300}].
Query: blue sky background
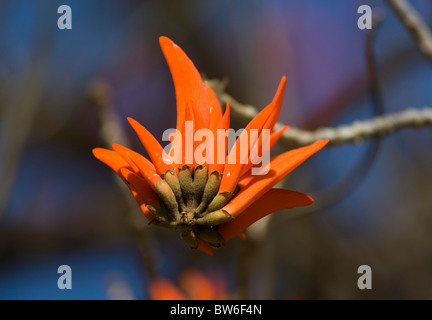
[{"x": 63, "y": 206}]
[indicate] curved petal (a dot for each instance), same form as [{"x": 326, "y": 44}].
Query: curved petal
[
  {"x": 273, "y": 200},
  {"x": 141, "y": 186},
  {"x": 141, "y": 191},
  {"x": 223, "y": 124},
  {"x": 215, "y": 110},
  {"x": 188, "y": 83},
  {"x": 280, "y": 166},
  {"x": 154, "y": 149},
  {"x": 263, "y": 120},
  {"x": 274, "y": 137},
  {"x": 139, "y": 164},
  {"x": 204, "y": 247},
  {"x": 124, "y": 170},
  {"x": 111, "y": 159}
]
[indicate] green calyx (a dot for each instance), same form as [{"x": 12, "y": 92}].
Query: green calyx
[{"x": 190, "y": 202}]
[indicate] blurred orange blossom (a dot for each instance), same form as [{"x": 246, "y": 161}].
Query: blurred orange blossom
[{"x": 193, "y": 285}]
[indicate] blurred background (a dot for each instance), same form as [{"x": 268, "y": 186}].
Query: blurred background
[{"x": 61, "y": 206}]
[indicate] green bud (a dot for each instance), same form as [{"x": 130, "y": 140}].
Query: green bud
[
  {"x": 210, "y": 191},
  {"x": 200, "y": 181},
  {"x": 189, "y": 237},
  {"x": 187, "y": 185},
  {"x": 165, "y": 193},
  {"x": 159, "y": 217},
  {"x": 171, "y": 178},
  {"x": 152, "y": 209},
  {"x": 219, "y": 201},
  {"x": 215, "y": 218},
  {"x": 211, "y": 235}
]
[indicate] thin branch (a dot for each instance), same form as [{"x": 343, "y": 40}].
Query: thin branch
[
  {"x": 357, "y": 132},
  {"x": 17, "y": 116},
  {"x": 418, "y": 29},
  {"x": 110, "y": 128},
  {"x": 111, "y": 131}
]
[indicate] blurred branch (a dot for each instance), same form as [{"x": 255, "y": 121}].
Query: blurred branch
[
  {"x": 418, "y": 29},
  {"x": 17, "y": 115},
  {"x": 360, "y": 131},
  {"x": 111, "y": 131},
  {"x": 357, "y": 132},
  {"x": 110, "y": 127}
]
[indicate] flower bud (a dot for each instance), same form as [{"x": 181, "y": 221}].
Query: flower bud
[
  {"x": 165, "y": 192},
  {"x": 187, "y": 185},
  {"x": 200, "y": 180},
  {"x": 211, "y": 236},
  {"x": 171, "y": 178},
  {"x": 189, "y": 237},
  {"x": 210, "y": 191},
  {"x": 219, "y": 201},
  {"x": 214, "y": 218},
  {"x": 159, "y": 217}
]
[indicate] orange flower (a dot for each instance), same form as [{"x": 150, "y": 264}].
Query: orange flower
[
  {"x": 193, "y": 285},
  {"x": 212, "y": 201}
]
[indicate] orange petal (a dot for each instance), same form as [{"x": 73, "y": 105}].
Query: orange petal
[
  {"x": 277, "y": 105},
  {"x": 188, "y": 83},
  {"x": 273, "y": 200},
  {"x": 139, "y": 164},
  {"x": 223, "y": 124},
  {"x": 274, "y": 137},
  {"x": 280, "y": 166},
  {"x": 204, "y": 247},
  {"x": 263, "y": 120},
  {"x": 141, "y": 186},
  {"x": 118, "y": 164},
  {"x": 197, "y": 117},
  {"x": 215, "y": 110},
  {"x": 177, "y": 144},
  {"x": 154, "y": 149},
  {"x": 111, "y": 159},
  {"x": 141, "y": 191},
  {"x": 163, "y": 289}
]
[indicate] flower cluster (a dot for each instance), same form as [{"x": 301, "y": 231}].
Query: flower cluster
[{"x": 212, "y": 201}]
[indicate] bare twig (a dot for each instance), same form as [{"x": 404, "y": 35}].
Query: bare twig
[
  {"x": 111, "y": 131},
  {"x": 418, "y": 29},
  {"x": 17, "y": 116},
  {"x": 357, "y": 132},
  {"x": 360, "y": 131}
]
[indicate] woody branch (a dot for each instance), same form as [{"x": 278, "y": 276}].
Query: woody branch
[
  {"x": 356, "y": 132},
  {"x": 412, "y": 21}
]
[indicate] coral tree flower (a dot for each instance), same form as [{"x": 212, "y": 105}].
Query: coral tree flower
[{"x": 214, "y": 201}]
